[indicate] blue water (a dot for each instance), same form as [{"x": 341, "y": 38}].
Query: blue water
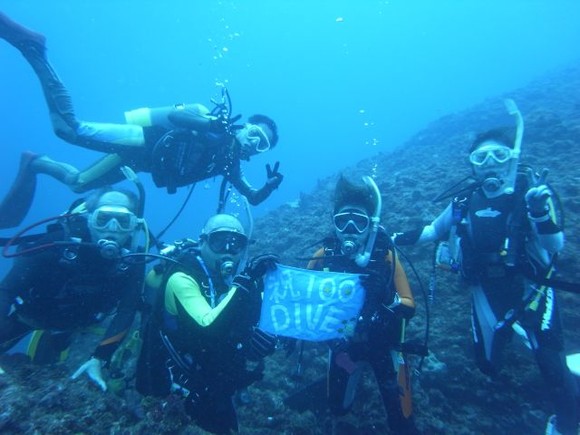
[{"x": 344, "y": 80}]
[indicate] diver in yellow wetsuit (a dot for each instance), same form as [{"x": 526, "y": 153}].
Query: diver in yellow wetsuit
[{"x": 202, "y": 332}]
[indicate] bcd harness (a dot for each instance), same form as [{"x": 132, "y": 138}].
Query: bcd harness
[{"x": 458, "y": 253}]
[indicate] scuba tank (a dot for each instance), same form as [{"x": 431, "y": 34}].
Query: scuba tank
[{"x": 148, "y": 117}]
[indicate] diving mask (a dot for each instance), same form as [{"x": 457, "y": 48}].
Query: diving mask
[
  {"x": 227, "y": 242},
  {"x": 113, "y": 218},
  {"x": 253, "y": 139},
  {"x": 351, "y": 220},
  {"x": 498, "y": 153}
]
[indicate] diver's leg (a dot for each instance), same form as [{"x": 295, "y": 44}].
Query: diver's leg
[
  {"x": 545, "y": 335},
  {"x": 488, "y": 340},
  {"x": 17, "y": 202},
  {"x": 381, "y": 361},
  {"x": 343, "y": 377},
  {"x": 101, "y": 173},
  {"x": 11, "y": 329},
  {"x": 152, "y": 374},
  {"x": 102, "y": 137}
]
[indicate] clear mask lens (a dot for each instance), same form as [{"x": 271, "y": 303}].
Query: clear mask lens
[
  {"x": 226, "y": 242},
  {"x": 499, "y": 154},
  {"x": 108, "y": 218},
  {"x": 358, "y": 222},
  {"x": 258, "y": 138}
]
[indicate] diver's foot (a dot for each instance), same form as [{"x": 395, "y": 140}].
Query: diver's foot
[{"x": 19, "y": 36}]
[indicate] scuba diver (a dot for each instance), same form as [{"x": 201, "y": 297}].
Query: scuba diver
[
  {"x": 74, "y": 276},
  {"x": 502, "y": 235},
  {"x": 179, "y": 145},
  {"x": 360, "y": 245},
  {"x": 201, "y": 339}
]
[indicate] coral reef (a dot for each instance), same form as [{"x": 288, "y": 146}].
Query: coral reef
[{"x": 450, "y": 395}]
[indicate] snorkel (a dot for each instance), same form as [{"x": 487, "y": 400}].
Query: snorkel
[
  {"x": 130, "y": 175},
  {"x": 510, "y": 181},
  {"x": 362, "y": 259},
  {"x": 228, "y": 270}
]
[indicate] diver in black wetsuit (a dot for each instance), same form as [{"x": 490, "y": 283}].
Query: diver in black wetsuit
[
  {"x": 503, "y": 238},
  {"x": 359, "y": 245},
  {"x": 75, "y": 276},
  {"x": 182, "y": 145},
  {"x": 202, "y": 334}
]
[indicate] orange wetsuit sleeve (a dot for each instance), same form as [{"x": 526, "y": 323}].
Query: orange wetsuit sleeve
[
  {"x": 317, "y": 260},
  {"x": 407, "y": 307}
]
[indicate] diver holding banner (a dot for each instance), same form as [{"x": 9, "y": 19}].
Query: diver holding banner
[{"x": 356, "y": 297}]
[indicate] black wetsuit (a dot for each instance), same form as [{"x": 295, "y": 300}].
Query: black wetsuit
[
  {"x": 207, "y": 364},
  {"x": 175, "y": 157},
  {"x": 502, "y": 247},
  {"x": 63, "y": 288},
  {"x": 377, "y": 333}
]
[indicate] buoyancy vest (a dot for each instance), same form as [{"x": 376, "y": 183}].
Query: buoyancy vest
[
  {"x": 493, "y": 233},
  {"x": 381, "y": 286}
]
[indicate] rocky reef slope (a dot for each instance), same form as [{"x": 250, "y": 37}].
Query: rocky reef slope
[{"x": 451, "y": 396}]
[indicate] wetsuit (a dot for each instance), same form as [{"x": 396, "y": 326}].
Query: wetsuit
[
  {"x": 502, "y": 248},
  {"x": 197, "y": 343},
  {"x": 191, "y": 147},
  {"x": 63, "y": 288},
  {"x": 377, "y": 333},
  {"x": 175, "y": 157}
]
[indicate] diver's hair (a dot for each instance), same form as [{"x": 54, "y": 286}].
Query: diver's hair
[
  {"x": 93, "y": 200},
  {"x": 355, "y": 193},
  {"x": 502, "y": 135},
  {"x": 266, "y": 120}
]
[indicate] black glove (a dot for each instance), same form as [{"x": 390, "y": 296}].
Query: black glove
[
  {"x": 274, "y": 177},
  {"x": 262, "y": 344},
  {"x": 260, "y": 264},
  {"x": 245, "y": 282}
]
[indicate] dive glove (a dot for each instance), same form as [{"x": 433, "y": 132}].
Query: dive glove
[
  {"x": 254, "y": 271},
  {"x": 274, "y": 177},
  {"x": 260, "y": 264},
  {"x": 93, "y": 369},
  {"x": 262, "y": 344},
  {"x": 537, "y": 200},
  {"x": 245, "y": 282}
]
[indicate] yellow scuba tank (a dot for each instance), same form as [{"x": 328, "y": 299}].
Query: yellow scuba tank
[{"x": 147, "y": 116}]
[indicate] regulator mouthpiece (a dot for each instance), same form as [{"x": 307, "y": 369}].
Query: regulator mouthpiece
[
  {"x": 492, "y": 185},
  {"x": 227, "y": 268},
  {"x": 349, "y": 247},
  {"x": 109, "y": 249}
]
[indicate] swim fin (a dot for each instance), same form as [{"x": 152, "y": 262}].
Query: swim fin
[
  {"x": 404, "y": 381},
  {"x": 19, "y": 36},
  {"x": 17, "y": 202}
]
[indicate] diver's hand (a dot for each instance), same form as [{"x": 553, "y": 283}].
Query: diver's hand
[
  {"x": 274, "y": 177},
  {"x": 537, "y": 200},
  {"x": 93, "y": 369},
  {"x": 259, "y": 265},
  {"x": 245, "y": 282},
  {"x": 262, "y": 344}
]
